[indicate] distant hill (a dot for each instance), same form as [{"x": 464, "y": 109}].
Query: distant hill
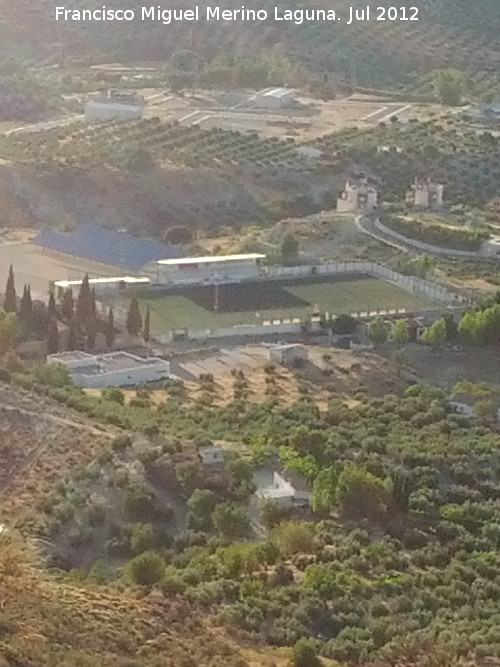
[{"x": 383, "y": 54}]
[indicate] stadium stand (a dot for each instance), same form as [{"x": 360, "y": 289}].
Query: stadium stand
[{"x": 106, "y": 246}]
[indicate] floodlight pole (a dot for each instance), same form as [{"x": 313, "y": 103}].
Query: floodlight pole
[{"x": 216, "y": 293}]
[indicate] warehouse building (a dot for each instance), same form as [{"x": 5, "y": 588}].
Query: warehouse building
[
  {"x": 206, "y": 270},
  {"x": 113, "y": 369}
]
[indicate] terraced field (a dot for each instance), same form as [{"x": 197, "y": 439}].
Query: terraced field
[{"x": 135, "y": 144}]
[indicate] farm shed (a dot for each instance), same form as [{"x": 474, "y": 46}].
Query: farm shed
[
  {"x": 114, "y": 369},
  {"x": 274, "y": 98},
  {"x": 288, "y": 355}
]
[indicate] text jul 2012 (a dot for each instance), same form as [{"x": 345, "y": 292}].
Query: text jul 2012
[{"x": 166, "y": 16}]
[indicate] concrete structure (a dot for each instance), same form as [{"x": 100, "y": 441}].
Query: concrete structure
[
  {"x": 359, "y": 195},
  {"x": 114, "y": 104},
  {"x": 491, "y": 247},
  {"x": 212, "y": 457},
  {"x": 208, "y": 270},
  {"x": 425, "y": 194},
  {"x": 114, "y": 369},
  {"x": 101, "y": 286},
  {"x": 288, "y": 355},
  {"x": 273, "y": 98},
  {"x": 488, "y": 114},
  {"x": 289, "y": 489}
]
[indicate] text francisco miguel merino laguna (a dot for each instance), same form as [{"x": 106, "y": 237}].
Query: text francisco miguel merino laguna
[{"x": 165, "y": 16}]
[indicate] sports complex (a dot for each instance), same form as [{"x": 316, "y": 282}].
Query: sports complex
[{"x": 219, "y": 292}]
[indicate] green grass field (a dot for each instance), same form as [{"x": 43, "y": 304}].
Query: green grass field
[{"x": 192, "y": 308}]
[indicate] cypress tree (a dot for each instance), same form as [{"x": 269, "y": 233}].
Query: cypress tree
[
  {"x": 53, "y": 337},
  {"x": 71, "y": 343},
  {"x": 146, "y": 332},
  {"x": 26, "y": 308},
  {"x": 110, "y": 329},
  {"x": 84, "y": 301},
  {"x": 134, "y": 318},
  {"x": 10, "y": 299},
  {"x": 91, "y": 324},
  {"x": 68, "y": 307},
  {"x": 51, "y": 308}
]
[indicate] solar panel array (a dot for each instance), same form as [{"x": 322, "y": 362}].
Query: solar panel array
[{"x": 107, "y": 246}]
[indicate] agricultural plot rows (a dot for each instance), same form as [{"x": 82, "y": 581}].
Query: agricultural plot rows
[
  {"x": 464, "y": 160},
  {"x": 136, "y": 143}
]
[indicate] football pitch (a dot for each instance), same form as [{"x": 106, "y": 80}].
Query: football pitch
[{"x": 253, "y": 303}]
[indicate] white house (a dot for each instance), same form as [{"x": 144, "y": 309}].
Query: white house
[
  {"x": 425, "y": 194},
  {"x": 273, "y": 98},
  {"x": 121, "y": 105},
  {"x": 113, "y": 369},
  {"x": 288, "y": 354},
  {"x": 208, "y": 270},
  {"x": 289, "y": 489},
  {"x": 359, "y": 195},
  {"x": 211, "y": 457}
]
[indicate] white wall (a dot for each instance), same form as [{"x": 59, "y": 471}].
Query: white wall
[
  {"x": 111, "y": 110},
  {"x": 130, "y": 377}
]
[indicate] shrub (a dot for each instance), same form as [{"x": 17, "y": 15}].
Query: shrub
[
  {"x": 144, "y": 537},
  {"x": 147, "y": 569},
  {"x": 113, "y": 394},
  {"x": 304, "y": 654},
  {"x": 121, "y": 442}
]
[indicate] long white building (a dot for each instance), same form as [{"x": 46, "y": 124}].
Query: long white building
[
  {"x": 113, "y": 369},
  {"x": 205, "y": 270}
]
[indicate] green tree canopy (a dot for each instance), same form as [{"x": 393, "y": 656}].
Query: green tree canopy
[
  {"x": 361, "y": 494},
  {"x": 378, "y": 330}
]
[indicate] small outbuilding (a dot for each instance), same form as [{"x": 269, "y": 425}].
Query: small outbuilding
[
  {"x": 288, "y": 355},
  {"x": 212, "y": 456},
  {"x": 274, "y": 98}
]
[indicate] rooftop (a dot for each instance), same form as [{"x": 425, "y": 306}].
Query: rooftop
[
  {"x": 103, "y": 281},
  {"x": 211, "y": 259},
  {"x": 111, "y": 362},
  {"x": 278, "y": 92}
]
